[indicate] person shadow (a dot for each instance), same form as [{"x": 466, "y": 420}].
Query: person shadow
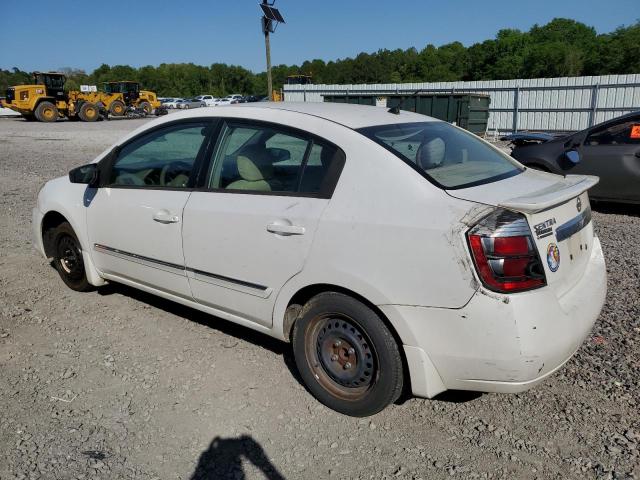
[{"x": 223, "y": 460}]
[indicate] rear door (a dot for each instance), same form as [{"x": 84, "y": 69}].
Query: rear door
[
  {"x": 613, "y": 153},
  {"x": 250, "y": 229},
  {"x": 135, "y": 218}
]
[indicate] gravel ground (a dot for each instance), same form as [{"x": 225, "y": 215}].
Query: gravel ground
[{"x": 119, "y": 384}]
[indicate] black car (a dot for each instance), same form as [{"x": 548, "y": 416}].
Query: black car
[{"x": 610, "y": 150}]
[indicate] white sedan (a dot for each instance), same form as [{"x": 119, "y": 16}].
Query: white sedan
[{"x": 393, "y": 251}]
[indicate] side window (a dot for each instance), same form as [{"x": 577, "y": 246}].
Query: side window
[
  {"x": 263, "y": 159},
  {"x": 163, "y": 158},
  {"x": 622, "y": 133}
]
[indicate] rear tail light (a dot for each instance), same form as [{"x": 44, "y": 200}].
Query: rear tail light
[{"x": 504, "y": 253}]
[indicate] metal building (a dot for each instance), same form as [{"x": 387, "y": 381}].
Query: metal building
[{"x": 545, "y": 104}]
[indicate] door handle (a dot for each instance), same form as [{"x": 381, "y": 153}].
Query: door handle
[
  {"x": 164, "y": 216},
  {"x": 285, "y": 229}
]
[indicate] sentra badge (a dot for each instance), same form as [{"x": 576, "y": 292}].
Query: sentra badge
[
  {"x": 545, "y": 228},
  {"x": 553, "y": 257}
]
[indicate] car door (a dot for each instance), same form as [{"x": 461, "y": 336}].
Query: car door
[
  {"x": 251, "y": 227},
  {"x": 612, "y": 152},
  {"x": 135, "y": 217}
]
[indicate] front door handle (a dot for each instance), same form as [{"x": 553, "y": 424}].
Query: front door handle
[
  {"x": 163, "y": 216},
  {"x": 285, "y": 229}
]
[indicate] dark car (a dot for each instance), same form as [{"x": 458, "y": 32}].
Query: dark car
[{"x": 610, "y": 150}]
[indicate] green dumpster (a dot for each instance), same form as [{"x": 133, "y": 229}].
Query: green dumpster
[{"x": 467, "y": 110}]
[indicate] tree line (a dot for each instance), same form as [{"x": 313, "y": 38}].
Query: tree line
[{"x": 562, "y": 47}]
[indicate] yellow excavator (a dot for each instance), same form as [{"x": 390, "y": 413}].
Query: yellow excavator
[{"x": 46, "y": 100}]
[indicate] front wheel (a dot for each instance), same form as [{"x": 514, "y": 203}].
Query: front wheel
[
  {"x": 67, "y": 258},
  {"x": 146, "y": 107},
  {"x": 346, "y": 355}
]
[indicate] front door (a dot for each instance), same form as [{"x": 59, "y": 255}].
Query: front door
[
  {"x": 613, "y": 153},
  {"x": 135, "y": 218},
  {"x": 252, "y": 227}
]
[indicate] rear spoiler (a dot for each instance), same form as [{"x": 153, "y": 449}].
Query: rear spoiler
[
  {"x": 523, "y": 138},
  {"x": 569, "y": 187}
]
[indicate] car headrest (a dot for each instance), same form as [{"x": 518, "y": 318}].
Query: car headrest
[
  {"x": 430, "y": 154},
  {"x": 251, "y": 171}
]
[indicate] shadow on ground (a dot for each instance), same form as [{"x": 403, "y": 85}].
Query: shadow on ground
[
  {"x": 228, "y": 328},
  {"x": 616, "y": 208},
  {"x": 223, "y": 460}
]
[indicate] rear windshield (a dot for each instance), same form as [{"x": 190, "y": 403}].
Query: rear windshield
[{"x": 448, "y": 156}]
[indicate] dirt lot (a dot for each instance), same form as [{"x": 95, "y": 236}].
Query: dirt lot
[{"x": 119, "y": 384}]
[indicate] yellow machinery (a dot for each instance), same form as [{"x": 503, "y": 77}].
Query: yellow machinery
[
  {"x": 46, "y": 99},
  {"x": 119, "y": 95}
]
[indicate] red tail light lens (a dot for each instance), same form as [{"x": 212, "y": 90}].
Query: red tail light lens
[{"x": 504, "y": 253}]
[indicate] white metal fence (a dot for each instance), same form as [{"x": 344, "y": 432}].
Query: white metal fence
[{"x": 547, "y": 104}]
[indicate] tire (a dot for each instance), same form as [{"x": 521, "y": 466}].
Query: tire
[
  {"x": 146, "y": 106},
  {"x": 89, "y": 112},
  {"x": 117, "y": 108},
  {"x": 46, "y": 112},
  {"x": 347, "y": 357},
  {"x": 186, "y": 107},
  {"x": 67, "y": 258}
]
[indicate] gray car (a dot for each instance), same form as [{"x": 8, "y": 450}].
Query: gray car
[
  {"x": 610, "y": 150},
  {"x": 191, "y": 103}
]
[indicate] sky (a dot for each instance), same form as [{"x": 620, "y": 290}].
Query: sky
[{"x": 52, "y": 34}]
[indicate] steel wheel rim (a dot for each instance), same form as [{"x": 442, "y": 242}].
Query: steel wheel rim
[
  {"x": 341, "y": 356},
  {"x": 70, "y": 257},
  {"x": 48, "y": 113}
]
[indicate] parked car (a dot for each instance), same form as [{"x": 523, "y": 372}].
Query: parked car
[
  {"x": 191, "y": 103},
  {"x": 255, "y": 98},
  {"x": 209, "y": 100},
  {"x": 223, "y": 101},
  {"x": 235, "y": 98},
  {"x": 610, "y": 150},
  {"x": 172, "y": 102},
  {"x": 392, "y": 250}
]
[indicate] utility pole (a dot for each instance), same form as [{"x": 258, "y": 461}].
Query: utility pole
[
  {"x": 270, "y": 20},
  {"x": 267, "y": 47}
]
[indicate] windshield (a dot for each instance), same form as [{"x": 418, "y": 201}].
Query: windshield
[{"x": 448, "y": 156}]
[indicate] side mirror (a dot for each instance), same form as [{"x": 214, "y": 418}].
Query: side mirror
[
  {"x": 87, "y": 174},
  {"x": 573, "y": 156}
]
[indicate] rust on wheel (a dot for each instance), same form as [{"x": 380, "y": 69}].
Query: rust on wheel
[
  {"x": 341, "y": 356},
  {"x": 49, "y": 113}
]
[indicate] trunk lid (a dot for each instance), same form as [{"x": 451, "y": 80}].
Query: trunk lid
[{"x": 559, "y": 216}]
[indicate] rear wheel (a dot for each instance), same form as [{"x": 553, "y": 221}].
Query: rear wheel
[
  {"x": 88, "y": 112},
  {"x": 67, "y": 258},
  {"x": 117, "y": 108},
  {"x": 146, "y": 106},
  {"x": 46, "y": 112},
  {"x": 346, "y": 355}
]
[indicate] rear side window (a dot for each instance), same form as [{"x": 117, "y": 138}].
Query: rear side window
[
  {"x": 265, "y": 159},
  {"x": 621, "y": 133},
  {"x": 448, "y": 156}
]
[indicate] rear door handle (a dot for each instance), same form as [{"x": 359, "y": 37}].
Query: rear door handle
[
  {"x": 163, "y": 216},
  {"x": 285, "y": 229}
]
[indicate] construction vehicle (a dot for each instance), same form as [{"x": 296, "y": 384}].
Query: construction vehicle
[
  {"x": 46, "y": 100},
  {"x": 120, "y": 95}
]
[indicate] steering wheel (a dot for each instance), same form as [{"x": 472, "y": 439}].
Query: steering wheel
[{"x": 172, "y": 170}]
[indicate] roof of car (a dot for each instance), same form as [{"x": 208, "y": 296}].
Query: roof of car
[{"x": 349, "y": 115}]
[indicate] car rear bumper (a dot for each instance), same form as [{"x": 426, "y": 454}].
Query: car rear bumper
[{"x": 500, "y": 343}]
